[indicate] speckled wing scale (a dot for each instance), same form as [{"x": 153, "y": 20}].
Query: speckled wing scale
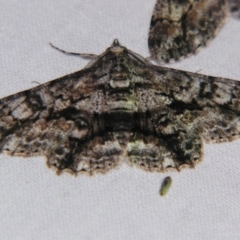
[
  {"x": 179, "y": 28},
  {"x": 119, "y": 108}
]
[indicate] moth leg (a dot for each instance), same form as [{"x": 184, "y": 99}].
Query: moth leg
[{"x": 82, "y": 55}]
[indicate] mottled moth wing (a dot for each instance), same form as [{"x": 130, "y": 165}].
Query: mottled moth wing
[
  {"x": 234, "y": 6},
  {"x": 49, "y": 119},
  {"x": 179, "y": 28},
  {"x": 208, "y": 106},
  {"x": 120, "y": 108}
]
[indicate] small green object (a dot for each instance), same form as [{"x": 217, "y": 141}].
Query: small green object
[{"x": 166, "y": 184}]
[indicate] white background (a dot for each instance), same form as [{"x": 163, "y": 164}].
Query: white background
[{"x": 35, "y": 203}]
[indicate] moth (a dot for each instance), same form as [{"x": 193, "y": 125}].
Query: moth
[
  {"x": 180, "y": 28},
  {"x": 121, "y": 108}
]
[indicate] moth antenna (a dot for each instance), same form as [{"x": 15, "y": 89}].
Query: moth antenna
[{"x": 82, "y": 55}]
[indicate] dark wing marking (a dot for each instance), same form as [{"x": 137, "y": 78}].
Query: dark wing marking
[{"x": 234, "y": 6}]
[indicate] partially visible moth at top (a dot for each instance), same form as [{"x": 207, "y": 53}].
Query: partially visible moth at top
[
  {"x": 179, "y": 28},
  {"x": 121, "y": 108}
]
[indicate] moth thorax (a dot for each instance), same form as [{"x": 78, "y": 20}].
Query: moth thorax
[{"x": 119, "y": 77}]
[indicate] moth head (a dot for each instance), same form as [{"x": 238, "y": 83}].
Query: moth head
[{"x": 116, "y": 48}]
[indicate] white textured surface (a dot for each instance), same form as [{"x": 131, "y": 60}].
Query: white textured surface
[{"x": 36, "y": 204}]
